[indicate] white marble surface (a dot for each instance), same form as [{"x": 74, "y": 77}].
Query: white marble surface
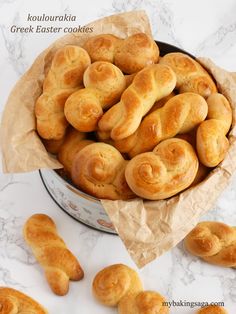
[{"x": 206, "y": 28}]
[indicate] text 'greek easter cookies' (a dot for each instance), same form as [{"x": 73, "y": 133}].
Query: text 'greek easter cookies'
[
  {"x": 149, "y": 85},
  {"x": 65, "y": 76},
  {"x": 145, "y": 302},
  {"x": 212, "y": 309},
  {"x": 113, "y": 283},
  {"x": 131, "y": 54},
  {"x": 16, "y": 302},
  {"x": 59, "y": 264},
  {"x": 214, "y": 242},
  {"x": 169, "y": 169},
  {"x": 104, "y": 84},
  {"x": 73, "y": 143},
  {"x": 191, "y": 76},
  {"x": 180, "y": 114},
  {"x": 212, "y": 143},
  {"x": 99, "y": 169}
]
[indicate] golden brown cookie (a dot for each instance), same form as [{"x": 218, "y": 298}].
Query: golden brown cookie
[{"x": 112, "y": 283}]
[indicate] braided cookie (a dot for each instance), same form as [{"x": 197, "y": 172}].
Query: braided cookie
[
  {"x": 180, "y": 114},
  {"x": 99, "y": 169},
  {"x": 212, "y": 143},
  {"x": 191, "y": 76},
  {"x": 145, "y": 302},
  {"x": 212, "y": 309},
  {"x": 169, "y": 169},
  {"x": 16, "y": 302},
  {"x": 131, "y": 54},
  {"x": 73, "y": 143},
  {"x": 115, "y": 282},
  {"x": 59, "y": 264},
  {"x": 214, "y": 242},
  {"x": 64, "y": 77},
  {"x": 104, "y": 84},
  {"x": 149, "y": 85},
  {"x": 203, "y": 171}
]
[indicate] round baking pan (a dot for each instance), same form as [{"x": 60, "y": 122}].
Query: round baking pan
[{"x": 83, "y": 207}]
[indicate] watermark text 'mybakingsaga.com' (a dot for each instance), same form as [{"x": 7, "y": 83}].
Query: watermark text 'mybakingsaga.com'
[{"x": 190, "y": 304}]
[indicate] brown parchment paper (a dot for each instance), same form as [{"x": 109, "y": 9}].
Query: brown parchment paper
[
  {"x": 147, "y": 228},
  {"x": 22, "y": 150}
]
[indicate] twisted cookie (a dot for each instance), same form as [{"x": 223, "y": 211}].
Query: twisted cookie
[
  {"x": 180, "y": 114},
  {"x": 59, "y": 263},
  {"x": 214, "y": 242},
  {"x": 212, "y": 309},
  {"x": 73, "y": 143},
  {"x": 98, "y": 169},
  {"x": 115, "y": 282},
  {"x": 130, "y": 55},
  {"x": 145, "y": 302},
  {"x": 149, "y": 85},
  {"x": 104, "y": 84},
  {"x": 16, "y": 302},
  {"x": 191, "y": 76},
  {"x": 169, "y": 169},
  {"x": 212, "y": 143},
  {"x": 64, "y": 77},
  {"x": 203, "y": 171}
]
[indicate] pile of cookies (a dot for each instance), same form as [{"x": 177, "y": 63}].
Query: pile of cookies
[{"x": 125, "y": 122}]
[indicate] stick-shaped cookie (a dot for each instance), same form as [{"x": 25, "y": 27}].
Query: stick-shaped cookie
[
  {"x": 180, "y": 114},
  {"x": 149, "y": 85},
  {"x": 212, "y": 142},
  {"x": 59, "y": 264},
  {"x": 64, "y": 77}
]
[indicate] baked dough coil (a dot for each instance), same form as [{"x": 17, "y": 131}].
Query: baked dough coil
[
  {"x": 212, "y": 143},
  {"x": 191, "y": 76},
  {"x": 131, "y": 54},
  {"x": 115, "y": 282},
  {"x": 15, "y": 302},
  {"x": 59, "y": 264},
  {"x": 169, "y": 169},
  {"x": 145, "y": 302},
  {"x": 214, "y": 242},
  {"x": 104, "y": 84},
  {"x": 203, "y": 171},
  {"x": 99, "y": 169},
  {"x": 180, "y": 114},
  {"x": 149, "y": 85},
  {"x": 65, "y": 76},
  {"x": 212, "y": 309},
  {"x": 73, "y": 143}
]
